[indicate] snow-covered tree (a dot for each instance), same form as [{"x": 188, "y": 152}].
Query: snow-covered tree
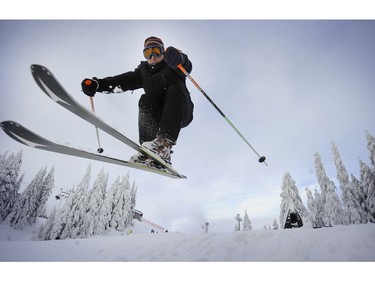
[
  {"x": 32, "y": 200},
  {"x": 316, "y": 209},
  {"x": 334, "y": 213},
  {"x": 69, "y": 217},
  {"x": 275, "y": 226},
  {"x": 320, "y": 212},
  {"x": 10, "y": 182},
  {"x": 246, "y": 226},
  {"x": 133, "y": 196},
  {"x": 44, "y": 192},
  {"x": 371, "y": 147},
  {"x": 362, "y": 198},
  {"x": 122, "y": 205},
  {"x": 290, "y": 195},
  {"x": 77, "y": 215},
  {"x": 92, "y": 211},
  {"x": 321, "y": 176},
  {"x": 95, "y": 201},
  {"x": 367, "y": 178},
  {"x": 353, "y": 210},
  {"x": 333, "y": 206},
  {"x": 46, "y": 229},
  {"x": 105, "y": 212}
]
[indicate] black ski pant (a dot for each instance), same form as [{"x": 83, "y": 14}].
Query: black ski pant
[{"x": 164, "y": 115}]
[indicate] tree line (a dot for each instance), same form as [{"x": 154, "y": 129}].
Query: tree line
[
  {"x": 85, "y": 211},
  {"x": 325, "y": 207}
]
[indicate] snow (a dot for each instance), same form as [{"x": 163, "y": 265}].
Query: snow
[
  {"x": 338, "y": 243},
  {"x": 192, "y": 256}
]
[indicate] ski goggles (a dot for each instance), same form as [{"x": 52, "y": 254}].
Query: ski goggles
[{"x": 157, "y": 52}]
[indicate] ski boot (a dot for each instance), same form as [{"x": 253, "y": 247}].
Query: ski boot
[{"x": 159, "y": 146}]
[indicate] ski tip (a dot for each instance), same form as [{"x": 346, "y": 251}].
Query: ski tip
[
  {"x": 9, "y": 125},
  {"x": 38, "y": 67},
  {"x": 34, "y": 66}
]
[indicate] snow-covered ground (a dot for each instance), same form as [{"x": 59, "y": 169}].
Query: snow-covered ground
[
  {"x": 203, "y": 251},
  {"x": 339, "y": 243}
]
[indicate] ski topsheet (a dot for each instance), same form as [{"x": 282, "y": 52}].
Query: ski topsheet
[
  {"x": 29, "y": 138},
  {"x": 53, "y": 89}
]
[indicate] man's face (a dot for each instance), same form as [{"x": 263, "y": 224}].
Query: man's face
[{"x": 153, "y": 60}]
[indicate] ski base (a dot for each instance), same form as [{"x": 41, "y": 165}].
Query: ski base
[{"x": 31, "y": 139}]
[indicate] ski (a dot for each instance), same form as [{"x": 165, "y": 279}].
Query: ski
[
  {"x": 53, "y": 89},
  {"x": 29, "y": 138}
]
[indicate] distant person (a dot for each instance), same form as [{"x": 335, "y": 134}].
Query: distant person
[{"x": 165, "y": 107}]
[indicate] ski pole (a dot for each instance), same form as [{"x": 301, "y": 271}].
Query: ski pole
[
  {"x": 100, "y": 149},
  {"x": 261, "y": 159}
]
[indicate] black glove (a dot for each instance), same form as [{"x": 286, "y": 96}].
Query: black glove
[
  {"x": 173, "y": 57},
  {"x": 89, "y": 86}
]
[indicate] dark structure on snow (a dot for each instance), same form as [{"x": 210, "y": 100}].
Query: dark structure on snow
[{"x": 293, "y": 218}]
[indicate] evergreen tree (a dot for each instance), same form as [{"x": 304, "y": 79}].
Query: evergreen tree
[
  {"x": 122, "y": 202},
  {"x": 333, "y": 210},
  {"x": 290, "y": 195},
  {"x": 246, "y": 223},
  {"x": 315, "y": 214},
  {"x": 10, "y": 182},
  {"x": 77, "y": 216},
  {"x": 132, "y": 195},
  {"x": 106, "y": 210},
  {"x": 333, "y": 206},
  {"x": 371, "y": 147},
  {"x": 320, "y": 212},
  {"x": 57, "y": 222},
  {"x": 87, "y": 213},
  {"x": 26, "y": 209},
  {"x": 45, "y": 231},
  {"x": 362, "y": 198},
  {"x": 353, "y": 210},
  {"x": 71, "y": 216},
  {"x": 321, "y": 176},
  {"x": 95, "y": 201},
  {"x": 44, "y": 192},
  {"x": 367, "y": 177}
]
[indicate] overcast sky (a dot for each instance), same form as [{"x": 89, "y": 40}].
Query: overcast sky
[{"x": 290, "y": 87}]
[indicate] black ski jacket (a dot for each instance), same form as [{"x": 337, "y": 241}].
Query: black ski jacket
[{"x": 154, "y": 79}]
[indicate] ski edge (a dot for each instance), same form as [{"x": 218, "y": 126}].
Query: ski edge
[{"x": 47, "y": 145}]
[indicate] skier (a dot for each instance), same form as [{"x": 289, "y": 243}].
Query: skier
[{"x": 165, "y": 107}]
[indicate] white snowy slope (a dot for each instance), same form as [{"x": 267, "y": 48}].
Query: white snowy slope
[{"x": 339, "y": 243}]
